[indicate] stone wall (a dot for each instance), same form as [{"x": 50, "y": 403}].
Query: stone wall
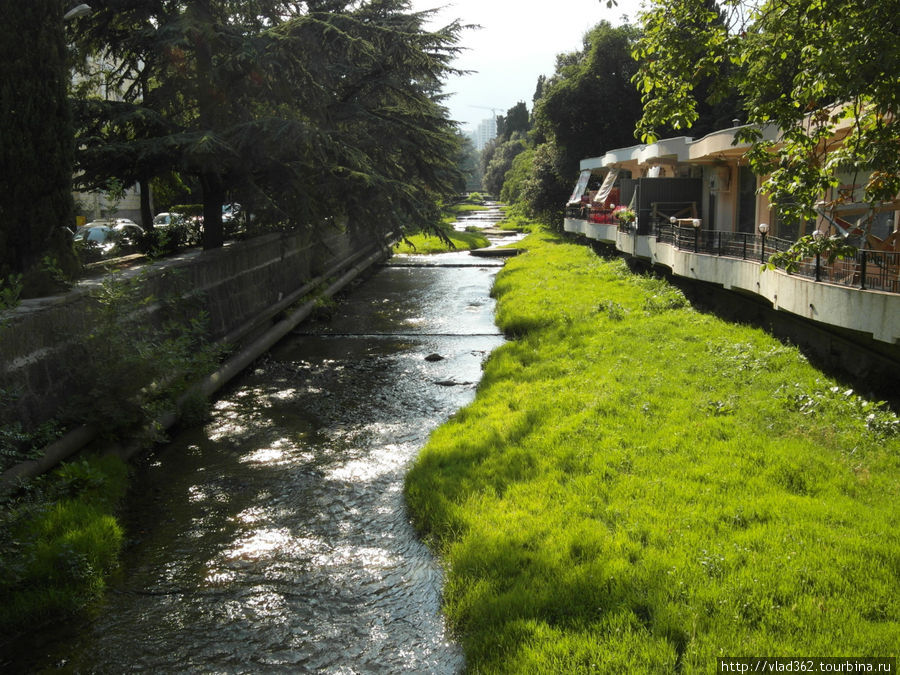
[{"x": 232, "y": 285}]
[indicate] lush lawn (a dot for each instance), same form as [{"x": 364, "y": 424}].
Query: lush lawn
[
  {"x": 59, "y": 541},
  {"x": 429, "y": 243},
  {"x": 640, "y": 488}
]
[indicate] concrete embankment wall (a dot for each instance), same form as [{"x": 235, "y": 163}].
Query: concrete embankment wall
[{"x": 233, "y": 285}]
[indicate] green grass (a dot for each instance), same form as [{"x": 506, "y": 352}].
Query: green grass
[
  {"x": 640, "y": 488},
  {"x": 425, "y": 243},
  {"x": 58, "y": 544},
  {"x": 466, "y": 208}
]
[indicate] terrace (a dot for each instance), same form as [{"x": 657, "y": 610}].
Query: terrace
[
  {"x": 699, "y": 212},
  {"x": 860, "y": 293}
]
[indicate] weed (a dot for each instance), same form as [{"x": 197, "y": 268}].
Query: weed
[
  {"x": 614, "y": 311},
  {"x": 58, "y": 540},
  {"x": 10, "y": 291}
]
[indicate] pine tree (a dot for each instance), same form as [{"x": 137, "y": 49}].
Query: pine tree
[{"x": 36, "y": 144}]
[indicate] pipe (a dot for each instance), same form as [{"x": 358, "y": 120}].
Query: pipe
[
  {"x": 237, "y": 363},
  {"x": 79, "y": 437}
]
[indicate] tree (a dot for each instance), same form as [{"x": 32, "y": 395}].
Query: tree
[
  {"x": 516, "y": 120},
  {"x": 309, "y": 111},
  {"x": 811, "y": 68},
  {"x": 590, "y": 104},
  {"x": 36, "y": 147},
  {"x": 545, "y": 191},
  {"x": 501, "y": 160}
]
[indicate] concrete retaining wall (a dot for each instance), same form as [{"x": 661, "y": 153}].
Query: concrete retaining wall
[{"x": 234, "y": 284}]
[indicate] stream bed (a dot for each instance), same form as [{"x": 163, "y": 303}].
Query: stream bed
[{"x": 274, "y": 538}]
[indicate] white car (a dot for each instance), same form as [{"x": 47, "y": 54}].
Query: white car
[{"x": 166, "y": 219}]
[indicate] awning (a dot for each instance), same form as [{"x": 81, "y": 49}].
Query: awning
[
  {"x": 580, "y": 187},
  {"x": 607, "y": 186}
]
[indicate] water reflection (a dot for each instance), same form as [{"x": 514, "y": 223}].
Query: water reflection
[{"x": 275, "y": 538}]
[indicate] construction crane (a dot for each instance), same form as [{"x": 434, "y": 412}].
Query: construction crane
[{"x": 484, "y": 107}]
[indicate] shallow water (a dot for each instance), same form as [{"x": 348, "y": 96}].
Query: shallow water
[{"x": 275, "y": 537}]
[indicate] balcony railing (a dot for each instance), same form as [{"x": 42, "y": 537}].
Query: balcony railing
[{"x": 869, "y": 269}]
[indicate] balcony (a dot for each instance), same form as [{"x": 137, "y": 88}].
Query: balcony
[{"x": 861, "y": 293}]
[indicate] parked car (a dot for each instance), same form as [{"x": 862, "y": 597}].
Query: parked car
[
  {"x": 110, "y": 234},
  {"x": 167, "y": 219}
]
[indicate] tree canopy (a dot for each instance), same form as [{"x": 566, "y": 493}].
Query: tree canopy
[
  {"x": 36, "y": 149},
  {"x": 815, "y": 69},
  {"x": 590, "y": 105},
  {"x": 304, "y": 110}
]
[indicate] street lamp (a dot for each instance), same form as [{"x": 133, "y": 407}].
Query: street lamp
[
  {"x": 817, "y": 235},
  {"x": 77, "y": 11},
  {"x": 696, "y": 222},
  {"x": 763, "y": 230}
]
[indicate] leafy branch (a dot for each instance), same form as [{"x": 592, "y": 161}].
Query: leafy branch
[{"x": 831, "y": 248}]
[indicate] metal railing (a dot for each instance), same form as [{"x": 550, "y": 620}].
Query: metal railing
[{"x": 868, "y": 270}]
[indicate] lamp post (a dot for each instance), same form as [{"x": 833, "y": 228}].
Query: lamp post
[
  {"x": 763, "y": 230},
  {"x": 817, "y": 235},
  {"x": 696, "y": 222}
]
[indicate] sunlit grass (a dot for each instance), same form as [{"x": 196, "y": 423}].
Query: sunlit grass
[
  {"x": 640, "y": 488},
  {"x": 58, "y": 545},
  {"x": 430, "y": 243},
  {"x": 466, "y": 208}
]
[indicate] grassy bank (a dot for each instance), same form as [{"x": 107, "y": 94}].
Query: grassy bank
[
  {"x": 58, "y": 541},
  {"x": 429, "y": 243},
  {"x": 639, "y": 487}
]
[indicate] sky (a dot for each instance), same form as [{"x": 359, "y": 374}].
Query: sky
[{"x": 518, "y": 42}]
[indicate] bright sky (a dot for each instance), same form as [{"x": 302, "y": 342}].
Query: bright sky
[{"x": 518, "y": 42}]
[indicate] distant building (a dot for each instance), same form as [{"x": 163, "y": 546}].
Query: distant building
[
  {"x": 96, "y": 76},
  {"x": 486, "y": 132}
]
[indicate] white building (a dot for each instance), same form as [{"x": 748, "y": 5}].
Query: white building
[
  {"x": 699, "y": 212},
  {"x": 486, "y": 132}
]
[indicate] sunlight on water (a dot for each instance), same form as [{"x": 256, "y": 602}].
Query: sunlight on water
[
  {"x": 275, "y": 538},
  {"x": 376, "y": 463},
  {"x": 261, "y": 543}
]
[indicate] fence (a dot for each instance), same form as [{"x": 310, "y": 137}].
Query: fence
[{"x": 868, "y": 270}]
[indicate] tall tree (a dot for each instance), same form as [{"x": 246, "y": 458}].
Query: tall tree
[
  {"x": 36, "y": 146},
  {"x": 590, "y": 104},
  {"x": 812, "y": 68},
  {"x": 314, "y": 109},
  {"x": 516, "y": 121},
  {"x": 501, "y": 161}
]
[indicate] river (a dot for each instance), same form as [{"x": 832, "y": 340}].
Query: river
[{"x": 274, "y": 538}]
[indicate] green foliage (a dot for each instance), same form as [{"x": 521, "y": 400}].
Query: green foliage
[
  {"x": 497, "y": 159},
  {"x": 625, "y": 216},
  {"x": 545, "y": 191},
  {"x": 590, "y": 105},
  {"x": 132, "y": 364},
  {"x": 812, "y": 69},
  {"x": 646, "y": 490},
  {"x": 58, "y": 541},
  {"x": 36, "y": 149},
  {"x": 810, "y": 246},
  {"x": 10, "y": 291},
  {"x": 516, "y": 121},
  {"x": 515, "y": 178},
  {"x": 18, "y": 443},
  {"x": 301, "y": 114}
]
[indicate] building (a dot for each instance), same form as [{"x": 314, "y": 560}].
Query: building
[
  {"x": 486, "y": 132},
  {"x": 95, "y": 75},
  {"x": 699, "y": 214}
]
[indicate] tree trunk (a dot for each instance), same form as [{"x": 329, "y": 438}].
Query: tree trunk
[
  {"x": 146, "y": 212},
  {"x": 213, "y": 198}
]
